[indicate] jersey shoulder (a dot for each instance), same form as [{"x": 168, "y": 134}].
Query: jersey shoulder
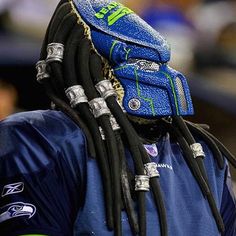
[
  {"x": 35, "y": 139},
  {"x": 42, "y": 119},
  {"x": 51, "y": 124}
]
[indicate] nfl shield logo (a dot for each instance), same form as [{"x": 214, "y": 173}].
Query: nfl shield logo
[{"x": 151, "y": 149}]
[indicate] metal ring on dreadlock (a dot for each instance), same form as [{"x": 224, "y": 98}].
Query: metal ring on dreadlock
[
  {"x": 114, "y": 123},
  {"x": 42, "y": 73},
  {"x": 150, "y": 169},
  {"x": 142, "y": 183},
  {"x": 197, "y": 150},
  {"x": 99, "y": 107},
  {"x": 76, "y": 95},
  {"x": 105, "y": 89},
  {"x": 55, "y": 52},
  {"x": 102, "y": 133}
]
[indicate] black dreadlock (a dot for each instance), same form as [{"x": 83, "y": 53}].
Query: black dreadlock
[
  {"x": 135, "y": 145},
  {"x": 70, "y": 69}
]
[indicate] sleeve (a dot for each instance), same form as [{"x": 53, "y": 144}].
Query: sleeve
[
  {"x": 39, "y": 194},
  {"x": 228, "y": 206}
]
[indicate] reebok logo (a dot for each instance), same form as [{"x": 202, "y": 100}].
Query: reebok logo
[{"x": 12, "y": 189}]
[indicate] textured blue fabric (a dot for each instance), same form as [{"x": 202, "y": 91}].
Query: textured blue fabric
[
  {"x": 158, "y": 91},
  {"x": 47, "y": 152},
  {"x": 121, "y": 36},
  {"x": 129, "y": 28}
]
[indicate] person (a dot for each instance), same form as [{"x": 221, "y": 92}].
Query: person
[
  {"x": 114, "y": 156},
  {"x": 8, "y": 99},
  {"x": 26, "y": 18},
  {"x": 218, "y": 33},
  {"x": 172, "y": 19}
]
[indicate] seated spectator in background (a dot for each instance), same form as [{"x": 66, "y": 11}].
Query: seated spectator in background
[
  {"x": 138, "y": 6},
  {"x": 8, "y": 99},
  {"x": 26, "y": 16},
  {"x": 226, "y": 42},
  {"x": 219, "y": 33},
  {"x": 170, "y": 17}
]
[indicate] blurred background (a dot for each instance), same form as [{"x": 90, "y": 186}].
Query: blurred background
[{"x": 202, "y": 35}]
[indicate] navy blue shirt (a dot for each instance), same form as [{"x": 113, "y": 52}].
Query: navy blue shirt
[{"x": 50, "y": 186}]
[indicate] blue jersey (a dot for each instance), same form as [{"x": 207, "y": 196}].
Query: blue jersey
[{"x": 49, "y": 184}]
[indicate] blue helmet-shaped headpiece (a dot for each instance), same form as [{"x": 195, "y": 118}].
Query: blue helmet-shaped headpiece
[{"x": 139, "y": 56}]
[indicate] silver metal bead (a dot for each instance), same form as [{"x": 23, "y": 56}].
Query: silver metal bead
[
  {"x": 42, "y": 73},
  {"x": 134, "y": 104},
  {"x": 142, "y": 183},
  {"x": 76, "y": 95},
  {"x": 55, "y": 52},
  {"x": 105, "y": 89},
  {"x": 197, "y": 150},
  {"x": 99, "y": 107},
  {"x": 150, "y": 169},
  {"x": 114, "y": 123}
]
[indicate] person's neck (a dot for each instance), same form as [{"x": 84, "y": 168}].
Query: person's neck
[{"x": 149, "y": 132}]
